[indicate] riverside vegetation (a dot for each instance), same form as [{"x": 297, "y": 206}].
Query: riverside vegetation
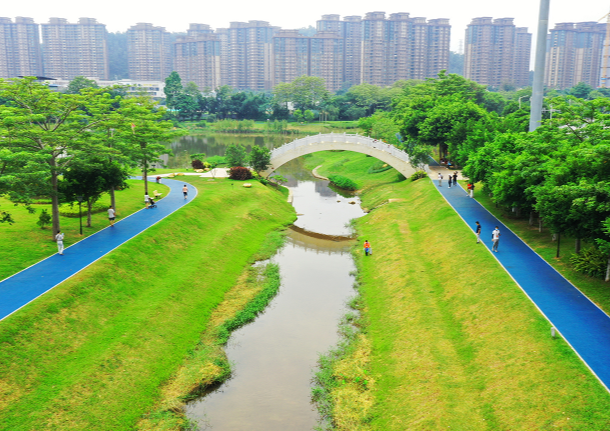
[
  {"x": 444, "y": 338},
  {"x": 99, "y": 350}
]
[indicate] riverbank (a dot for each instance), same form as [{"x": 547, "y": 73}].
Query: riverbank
[
  {"x": 94, "y": 352},
  {"x": 454, "y": 343}
]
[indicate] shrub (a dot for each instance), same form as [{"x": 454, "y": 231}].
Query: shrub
[
  {"x": 379, "y": 167},
  {"x": 216, "y": 160},
  {"x": 591, "y": 261},
  {"x": 71, "y": 210},
  {"x": 197, "y": 164},
  {"x": 44, "y": 219},
  {"x": 343, "y": 182},
  {"x": 417, "y": 175},
  {"x": 240, "y": 173}
]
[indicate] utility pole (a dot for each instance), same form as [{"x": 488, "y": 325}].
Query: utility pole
[{"x": 538, "y": 90}]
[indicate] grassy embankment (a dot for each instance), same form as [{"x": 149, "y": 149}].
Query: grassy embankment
[
  {"x": 448, "y": 340},
  {"x": 95, "y": 352},
  {"x": 30, "y": 244},
  {"x": 260, "y": 127}
]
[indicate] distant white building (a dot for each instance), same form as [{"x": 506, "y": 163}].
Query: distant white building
[{"x": 152, "y": 88}]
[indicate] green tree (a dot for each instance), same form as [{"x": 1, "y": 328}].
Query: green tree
[
  {"x": 306, "y": 92},
  {"x": 52, "y": 128},
  {"x": 236, "y": 155},
  {"x": 78, "y": 83},
  {"x": 260, "y": 158},
  {"x": 581, "y": 90},
  {"x": 173, "y": 89}
]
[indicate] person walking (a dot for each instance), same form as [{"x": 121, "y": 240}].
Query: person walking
[
  {"x": 469, "y": 188},
  {"x": 60, "y": 242},
  {"x": 455, "y": 178},
  {"x": 158, "y": 179},
  {"x": 440, "y": 179},
  {"x": 185, "y": 191},
  {"x": 367, "y": 248},
  {"x": 472, "y": 190},
  {"x": 449, "y": 180},
  {"x": 111, "y": 215},
  {"x": 495, "y": 238},
  {"x": 146, "y": 200},
  {"x": 478, "y": 231}
]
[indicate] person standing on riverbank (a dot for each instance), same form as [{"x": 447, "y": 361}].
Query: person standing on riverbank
[
  {"x": 495, "y": 238},
  {"x": 60, "y": 242},
  {"x": 478, "y": 232},
  {"x": 367, "y": 248}
]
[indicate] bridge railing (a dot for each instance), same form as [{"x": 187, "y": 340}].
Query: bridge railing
[{"x": 341, "y": 138}]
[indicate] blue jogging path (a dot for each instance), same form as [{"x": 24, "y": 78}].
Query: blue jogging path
[
  {"x": 581, "y": 323},
  {"x": 25, "y": 286}
]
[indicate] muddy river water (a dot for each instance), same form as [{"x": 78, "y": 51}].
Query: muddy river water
[{"x": 274, "y": 358}]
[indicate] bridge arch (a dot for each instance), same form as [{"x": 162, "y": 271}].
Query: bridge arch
[{"x": 389, "y": 154}]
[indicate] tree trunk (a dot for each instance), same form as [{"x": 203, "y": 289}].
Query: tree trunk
[
  {"x": 112, "y": 198},
  {"x": 608, "y": 271},
  {"x": 558, "y": 243},
  {"x": 54, "y": 200},
  {"x": 539, "y": 223},
  {"x": 577, "y": 246},
  {"x": 89, "y": 205},
  {"x": 531, "y": 218},
  {"x": 145, "y": 176},
  {"x": 518, "y": 212}
]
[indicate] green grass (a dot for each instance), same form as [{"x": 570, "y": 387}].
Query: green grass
[
  {"x": 454, "y": 343},
  {"x": 35, "y": 244},
  {"x": 293, "y": 127},
  {"x": 94, "y": 352},
  {"x": 594, "y": 288}
]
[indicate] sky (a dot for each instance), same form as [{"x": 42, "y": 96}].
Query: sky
[{"x": 176, "y": 15}]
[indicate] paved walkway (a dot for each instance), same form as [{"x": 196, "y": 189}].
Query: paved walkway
[
  {"x": 580, "y": 321},
  {"x": 25, "y": 286}
]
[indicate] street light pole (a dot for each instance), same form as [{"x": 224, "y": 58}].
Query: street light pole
[
  {"x": 538, "y": 90},
  {"x": 80, "y": 212}
]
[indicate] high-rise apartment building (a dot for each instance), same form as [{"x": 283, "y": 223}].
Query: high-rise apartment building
[
  {"x": 401, "y": 47},
  {"x": 523, "y": 48},
  {"x": 19, "y": 48},
  {"x": 574, "y": 54},
  {"x": 70, "y": 50},
  {"x": 197, "y": 57},
  {"x": 491, "y": 51},
  {"x": 248, "y": 55},
  {"x": 148, "y": 52}
]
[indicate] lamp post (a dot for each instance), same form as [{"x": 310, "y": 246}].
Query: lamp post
[
  {"x": 520, "y": 100},
  {"x": 79, "y": 198}
]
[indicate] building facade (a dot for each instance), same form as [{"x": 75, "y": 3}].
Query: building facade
[
  {"x": 70, "y": 50},
  {"x": 197, "y": 57},
  {"x": 19, "y": 48},
  {"x": 491, "y": 50},
  {"x": 574, "y": 54},
  {"x": 148, "y": 53}
]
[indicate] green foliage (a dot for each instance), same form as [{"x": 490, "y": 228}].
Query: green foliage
[
  {"x": 306, "y": 92},
  {"x": 380, "y": 166},
  {"x": 240, "y": 173},
  {"x": 44, "y": 219},
  {"x": 259, "y": 158},
  {"x": 343, "y": 182},
  {"x": 216, "y": 160},
  {"x": 71, "y": 210},
  {"x": 79, "y": 83},
  {"x": 235, "y": 126},
  {"x": 236, "y": 155},
  {"x": 173, "y": 89},
  {"x": 591, "y": 261},
  {"x": 417, "y": 175}
]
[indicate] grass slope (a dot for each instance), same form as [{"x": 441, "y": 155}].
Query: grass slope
[
  {"x": 35, "y": 244},
  {"x": 93, "y": 353},
  {"x": 454, "y": 342}
]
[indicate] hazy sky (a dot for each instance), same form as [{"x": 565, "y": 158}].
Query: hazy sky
[{"x": 175, "y": 15}]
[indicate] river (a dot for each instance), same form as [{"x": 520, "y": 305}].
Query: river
[{"x": 274, "y": 358}]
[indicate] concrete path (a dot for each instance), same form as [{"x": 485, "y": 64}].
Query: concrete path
[
  {"x": 27, "y": 285},
  {"x": 582, "y": 324}
]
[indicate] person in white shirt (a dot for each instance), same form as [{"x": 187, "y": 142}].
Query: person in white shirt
[
  {"x": 60, "y": 242},
  {"x": 146, "y": 200},
  {"x": 440, "y": 179},
  {"x": 495, "y": 238},
  {"x": 111, "y": 215}
]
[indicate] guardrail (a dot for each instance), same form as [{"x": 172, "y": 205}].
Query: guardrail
[{"x": 341, "y": 138}]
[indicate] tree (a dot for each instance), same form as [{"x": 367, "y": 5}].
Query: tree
[
  {"x": 306, "y": 92},
  {"x": 581, "y": 90},
  {"x": 173, "y": 89},
  {"x": 78, "y": 83},
  {"x": 236, "y": 155},
  {"x": 52, "y": 128},
  {"x": 90, "y": 179},
  {"x": 260, "y": 158}
]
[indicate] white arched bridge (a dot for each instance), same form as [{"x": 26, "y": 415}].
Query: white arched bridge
[{"x": 389, "y": 154}]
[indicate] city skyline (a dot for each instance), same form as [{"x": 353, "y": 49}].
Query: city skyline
[{"x": 117, "y": 17}]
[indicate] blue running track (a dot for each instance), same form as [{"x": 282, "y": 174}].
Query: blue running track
[
  {"x": 582, "y": 324},
  {"x": 25, "y": 286}
]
